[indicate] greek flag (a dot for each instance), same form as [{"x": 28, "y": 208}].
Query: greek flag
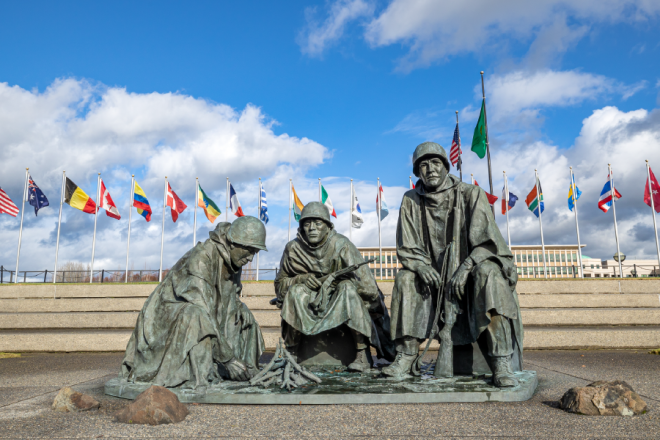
[{"x": 263, "y": 210}]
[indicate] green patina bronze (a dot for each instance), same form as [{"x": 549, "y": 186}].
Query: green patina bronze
[{"x": 193, "y": 330}]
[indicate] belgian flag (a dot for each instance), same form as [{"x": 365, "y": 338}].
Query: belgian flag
[{"x": 76, "y": 198}]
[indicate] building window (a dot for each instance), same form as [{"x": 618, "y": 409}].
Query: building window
[
  {"x": 519, "y": 271},
  {"x": 394, "y": 272},
  {"x": 536, "y": 258},
  {"x": 389, "y": 259},
  {"x": 592, "y": 266},
  {"x": 377, "y": 272},
  {"x": 575, "y": 258},
  {"x": 366, "y": 258},
  {"x": 570, "y": 270},
  {"x": 552, "y": 258},
  {"x": 518, "y": 258},
  {"x": 563, "y": 270},
  {"x": 394, "y": 258},
  {"x": 373, "y": 272},
  {"x": 563, "y": 258},
  {"x": 524, "y": 258}
]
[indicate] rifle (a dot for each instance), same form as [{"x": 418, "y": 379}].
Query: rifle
[{"x": 320, "y": 303}]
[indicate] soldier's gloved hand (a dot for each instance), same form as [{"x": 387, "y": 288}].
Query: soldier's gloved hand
[
  {"x": 429, "y": 276},
  {"x": 243, "y": 313},
  {"x": 458, "y": 281},
  {"x": 237, "y": 370},
  {"x": 312, "y": 282}
]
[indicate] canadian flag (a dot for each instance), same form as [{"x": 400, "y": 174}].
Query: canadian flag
[
  {"x": 107, "y": 203},
  {"x": 174, "y": 202}
]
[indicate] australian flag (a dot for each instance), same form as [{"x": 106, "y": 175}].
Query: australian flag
[{"x": 36, "y": 198}]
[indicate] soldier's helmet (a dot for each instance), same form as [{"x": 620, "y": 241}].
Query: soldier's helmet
[
  {"x": 428, "y": 149},
  {"x": 316, "y": 210},
  {"x": 248, "y": 231}
]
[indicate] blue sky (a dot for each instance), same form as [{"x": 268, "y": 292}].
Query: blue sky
[{"x": 335, "y": 89}]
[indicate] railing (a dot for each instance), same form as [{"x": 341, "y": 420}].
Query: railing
[{"x": 107, "y": 276}]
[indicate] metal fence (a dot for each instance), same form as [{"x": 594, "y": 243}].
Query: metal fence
[{"x": 107, "y": 276}]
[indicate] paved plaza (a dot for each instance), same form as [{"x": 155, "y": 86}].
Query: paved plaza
[{"x": 28, "y": 385}]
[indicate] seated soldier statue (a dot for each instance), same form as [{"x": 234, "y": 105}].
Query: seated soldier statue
[
  {"x": 439, "y": 210},
  {"x": 193, "y": 330},
  {"x": 355, "y": 301}
]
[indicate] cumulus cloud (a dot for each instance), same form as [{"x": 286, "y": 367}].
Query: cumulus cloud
[
  {"x": 316, "y": 37},
  {"x": 86, "y": 128},
  {"x": 434, "y": 30}
]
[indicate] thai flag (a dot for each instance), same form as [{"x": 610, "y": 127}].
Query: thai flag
[
  {"x": 234, "y": 204},
  {"x": 606, "y": 195}
]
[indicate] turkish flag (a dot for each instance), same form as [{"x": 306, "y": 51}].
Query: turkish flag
[
  {"x": 656, "y": 192},
  {"x": 491, "y": 198}
]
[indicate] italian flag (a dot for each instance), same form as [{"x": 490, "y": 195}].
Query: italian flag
[{"x": 325, "y": 199}]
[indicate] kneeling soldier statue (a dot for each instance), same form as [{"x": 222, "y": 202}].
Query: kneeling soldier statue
[
  {"x": 445, "y": 222},
  {"x": 193, "y": 330},
  {"x": 313, "y": 300}
]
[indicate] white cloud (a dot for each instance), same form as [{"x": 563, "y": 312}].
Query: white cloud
[
  {"x": 315, "y": 38},
  {"x": 83, "y": 128},
  {"x": 435, "y": 30}
]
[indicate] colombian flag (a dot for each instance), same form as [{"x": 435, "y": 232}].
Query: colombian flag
[
  {"x": 76, "y": 198},
  {"x": 297, "y": 205},
  {"x": 210, "y": 209},
  {"x": 141, "y": 203}
]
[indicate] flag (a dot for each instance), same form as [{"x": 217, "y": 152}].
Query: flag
[
  {"x": 656, "y": 192},
  {"x": 479, "y": 136},
  {"x": 571, "y": 191},
  {"x": 412, "y": 185},
  {"x": 512, "y": 201},
  {"x": 234, "y": 204},
  {"x": 325, "y": 199},
  {"x": 210, "y": 209},
  {"x": 606, "y": 195},
  {"x": 36, "y": 197},
  {"x": 141, "y": 203},
  {"x": 263, "y": 212},
  {"x": 6, "y": 205},
  {"x": 532, "y": 200},
  {"x": 76, "y": 198},
  {"x": 356, "y": 212},
  {"x": 175, "y": 203},
  {"x": 297, "y": 205},
  {"x": 107, "y": 203},
  {"x": 383, "y": 205},
  {"x": 455, "y": 151},
  {"x": 491, "y": 198}
]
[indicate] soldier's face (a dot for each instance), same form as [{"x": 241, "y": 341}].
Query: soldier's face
[
  {"x": 315, "y": 230},
  {"x": 432, "y": 171},
  {"x": 241, "y": 255}
]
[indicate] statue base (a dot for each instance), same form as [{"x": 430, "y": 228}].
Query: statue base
[{"x": 341, "y": 387}]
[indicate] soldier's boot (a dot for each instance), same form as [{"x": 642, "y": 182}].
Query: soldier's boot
[
  {"x": 502, "y": 373},
  {"x": 361, "y": 362},
  {"x": 407, "y": 351}
]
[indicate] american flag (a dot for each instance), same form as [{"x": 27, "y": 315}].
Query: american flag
[
  {"x": 6, "y": 205},
  {"x": 455, "y": 152}
]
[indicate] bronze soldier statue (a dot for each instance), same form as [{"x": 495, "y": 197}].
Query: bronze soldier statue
[
  {"x": 313, "y": 301},
  {"x": 193, "y": 330},
  {"x": 441, "y": 210}
]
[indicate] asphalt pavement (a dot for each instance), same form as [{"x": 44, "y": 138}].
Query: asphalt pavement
[{"x": 28, "y": 385}]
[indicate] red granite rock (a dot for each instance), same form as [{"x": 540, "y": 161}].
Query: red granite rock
[{"x": 155, "y": 406}]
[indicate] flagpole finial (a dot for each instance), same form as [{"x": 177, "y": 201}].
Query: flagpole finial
[
  {"x": 28, "y": 168},
  {"x": 482, "y": 72},
  {"x": 166, "y": 177},
  {"x": 99, "y": 173},
  {"x": 132, "y": 175},
  {"x": 647, "y": 161},
  {"x": 570, "y": 168},
  {"x": 456, "y": 111}
]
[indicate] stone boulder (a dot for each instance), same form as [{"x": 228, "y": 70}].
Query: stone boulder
[
  {"x": 68, "y": 400},
  {"x": 155, "y": 406},
  {"x": 615, "y": 398}
]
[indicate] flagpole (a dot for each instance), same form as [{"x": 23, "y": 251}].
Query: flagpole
[
  {"x": 350, "y": 216},
  {"x": 577, "y": 227},
  {"x": 616, "y": 229},
  {"x": 320, "y": 197},
  {"x": 20, "y": 230},
  {"x": 538, "y": 198},
  {"x": 490, "y": 177},
  {"x": 128, "y": 237},
  {"x": 259, "y": 217},
  {"x": 506, "y": 207},
  {"x": 195, "y": 215},
  {"x": 460, "y": 160},
  {"x": 290, "y": 201},
  {"x": 59, "y": 224},
  {"x": 472, "y": 178},
  {"x": 410, "y": 184},
  {"x": 380, "y": 246},
  {"x": 227, "y": 202},
  {"x": 655, "y": 228},
  {"x": 162, "y": 234},
  {"x": 96, "y": 216}
]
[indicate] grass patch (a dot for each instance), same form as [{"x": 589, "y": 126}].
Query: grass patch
[
  {"x": 9, "y": 355},
  {"x": 656, "y": 351}
]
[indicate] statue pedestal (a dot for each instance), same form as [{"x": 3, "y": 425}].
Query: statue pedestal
[{"x": 340, "y": 387}]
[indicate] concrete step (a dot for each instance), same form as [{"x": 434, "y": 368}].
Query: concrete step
[
  {"x": 535, "y": 339},
  {"x": 254, "y": 303},
  {"x": 271, "y": 318}
]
